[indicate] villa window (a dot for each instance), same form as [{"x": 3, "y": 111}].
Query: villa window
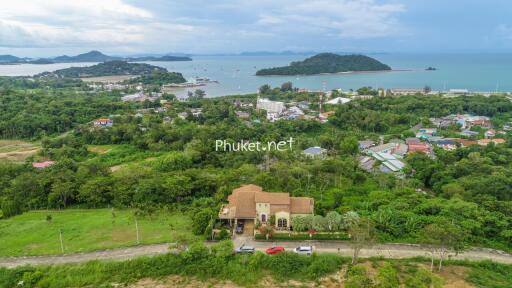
[
  {"x": 263, "y": 218},
  {"x": 282, "y": 223}
]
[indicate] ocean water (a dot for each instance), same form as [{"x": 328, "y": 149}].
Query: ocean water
[{"x": 236, "y": 74}]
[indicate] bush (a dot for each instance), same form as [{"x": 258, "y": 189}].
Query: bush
[
  {"x": 304, "y": 236},
  {"x": 387, "y": 277},
  {"x": 423, "y": 279},
  {"x": 357, "y": 277}
]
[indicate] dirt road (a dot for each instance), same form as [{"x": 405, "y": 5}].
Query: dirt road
[{"x": 384, "y": 250}]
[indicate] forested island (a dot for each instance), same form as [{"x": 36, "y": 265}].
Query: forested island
[
  {"x": 158, "y": 77},
  {"x": 91, "y": 56},
  {"x": 327, "y": 63},
  {"x": 109, "y": 68}
]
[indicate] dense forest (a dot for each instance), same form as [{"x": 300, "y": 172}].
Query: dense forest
[
  {"x": 108, "y": 68},
  {"x": 327, "y": 63},
  {"x": 158, "y": 78}
]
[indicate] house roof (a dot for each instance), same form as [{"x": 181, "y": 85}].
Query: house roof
[
  {"x": 242, "y": 202},
  {"x": 272, "y": 197},
  {"x": 314, "y": 150},
  {"x": 301, "y": 205},
  {"x": 422, "y": 147},
  {"x": 43, "y": 164},
  {"x": 485, "y": 142}
]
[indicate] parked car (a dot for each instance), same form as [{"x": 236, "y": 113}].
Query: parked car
[
  {"x": 240, "y": 228},
  {"x": 304, "y": 250},
  {"x": 245, "y": 249},
  {"x": 274, "y": 250}
]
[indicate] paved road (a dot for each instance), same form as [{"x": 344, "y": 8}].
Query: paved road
[{"x": 385, "y": 250}]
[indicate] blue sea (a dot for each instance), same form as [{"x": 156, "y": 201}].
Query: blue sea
[{"x": 236, "y": 74}]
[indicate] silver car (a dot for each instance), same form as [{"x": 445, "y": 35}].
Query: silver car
[
  {"x": 304, "y": 250},
  {"x": 244, "y": 249}
]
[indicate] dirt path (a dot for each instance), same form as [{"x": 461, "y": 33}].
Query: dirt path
[{"x": 384, "y": 250}]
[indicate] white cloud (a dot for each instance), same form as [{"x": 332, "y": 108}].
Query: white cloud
[
  {"x": 357, "y": 19},
  {"x": 44, "y": 23},
  {"x": 193, "y": 25}
]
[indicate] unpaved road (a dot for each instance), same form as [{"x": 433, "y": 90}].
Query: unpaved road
[{"x": 384, "y": 250}]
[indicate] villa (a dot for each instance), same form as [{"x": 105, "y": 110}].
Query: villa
[{"x": 249, "y": 205}]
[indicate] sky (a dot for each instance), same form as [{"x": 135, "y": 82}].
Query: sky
[{"x": 41, "y": 28}]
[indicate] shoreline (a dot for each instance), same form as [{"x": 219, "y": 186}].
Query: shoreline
[{"x": 342, "y": 73}]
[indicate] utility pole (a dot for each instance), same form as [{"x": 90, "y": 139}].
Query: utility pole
[
  {"x": 61, "y": 241},
  {"x": 137, "y": 228}
]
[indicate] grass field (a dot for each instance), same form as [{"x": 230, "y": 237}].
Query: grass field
[
  {"x": 84, "y": 230},
  {"x": 17, "y": 151}
]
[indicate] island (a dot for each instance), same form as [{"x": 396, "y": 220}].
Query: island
[
  {"x": 91, "y": 56},
  {"x": 146, "y": 73},
  {"x": 327, "y": 63}
]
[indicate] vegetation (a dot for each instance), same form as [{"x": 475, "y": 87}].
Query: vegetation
[
  {"x": 158, "y": 78},
  {"x": 109, "y": 68},
  {"x": 37, "y": 232},
  {"x": 327, "y": 63},
  {"x": 218, "y": 263}
]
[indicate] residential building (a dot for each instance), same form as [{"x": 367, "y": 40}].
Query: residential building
[
  {"x": 365, "y": 144},
  {"x": 338, "y": 100},
  {"x": 407, "y": 91},
  {"x": 272, "y": 107},
  {"x": 465, "y": 142},
  {"x": 103, "y": 122},
  {"x": 491, "y": 133},
  {"x": 397, "y": 149},
  {"x": 468, "y": 133},
  {"x": 42, "y": 165},
  {"x": 249, "y": 204},
  {"x": 242, "y": 114},
  {"x": 323, "y": 117},
  {"x": 315, "y": 152},
  {"x": 419, "y": 147},
  {"x": 412, "y": 140},
  {"x": 447, "y": 144},
  {"x": 485, "y": 142}
]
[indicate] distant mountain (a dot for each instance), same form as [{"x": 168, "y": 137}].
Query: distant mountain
[
  {"x": 92, "y": 56},
  {"x": 159, "y": 58},
  {"x": 327, "y": 63},
  {"x": 8, "y": 58},
  {"x": 108, "y": 68}
]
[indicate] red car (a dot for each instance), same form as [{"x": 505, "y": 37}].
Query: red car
[{"x": 274, "y": 250}]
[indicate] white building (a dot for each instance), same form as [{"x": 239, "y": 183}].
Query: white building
[
  {"x": 339, "y": 100},
  {"x": 273, "y": 108}
]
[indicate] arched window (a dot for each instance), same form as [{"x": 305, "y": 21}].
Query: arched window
[
  {"x": 263, "y": 218},
  {"x": 282, "y": 223}
]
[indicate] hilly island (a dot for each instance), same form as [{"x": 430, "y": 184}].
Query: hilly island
[
  {"x": 146, "y": 73},
  {"x": 327, "y": 63}
]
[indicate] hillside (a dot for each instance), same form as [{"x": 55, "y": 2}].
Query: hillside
[
  {"x": 8, "y": 58},
  {"x": 104, "y": 69},
  {"x": 327, "y": 63},
  {"x": 159, "y": 78}
]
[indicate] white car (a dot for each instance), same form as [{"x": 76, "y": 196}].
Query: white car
[
  {"x": 304, "y": 250},
  {"x": 245, "y": 249}
]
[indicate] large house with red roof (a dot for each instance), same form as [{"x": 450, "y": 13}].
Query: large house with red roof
[{"x": 249, "y": 204}]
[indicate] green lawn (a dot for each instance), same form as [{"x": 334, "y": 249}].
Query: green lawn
[{"x": 85, "y": 230}]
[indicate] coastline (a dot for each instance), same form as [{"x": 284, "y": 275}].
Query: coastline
[{"x": 342, "y": 73}]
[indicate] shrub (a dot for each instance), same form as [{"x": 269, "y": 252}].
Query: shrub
[
  {"x": 357, "y": 277},
  {"x": 387, "y": 277}
]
